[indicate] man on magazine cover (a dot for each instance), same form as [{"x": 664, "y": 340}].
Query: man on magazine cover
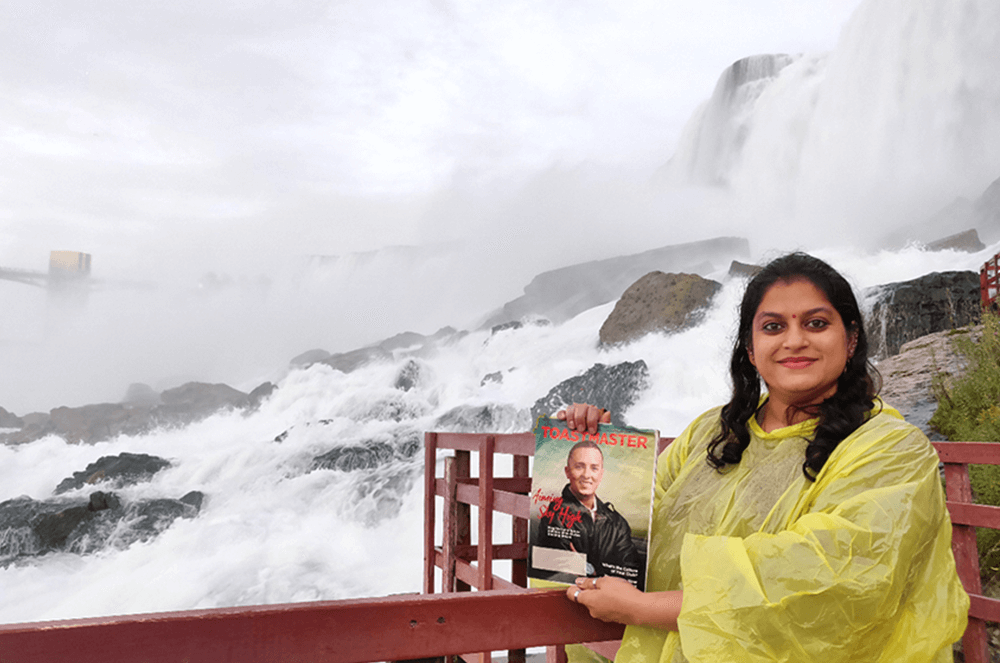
[{"x": 586, "y": 524}]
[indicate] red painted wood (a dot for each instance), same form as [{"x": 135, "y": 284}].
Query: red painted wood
[
  {"x": 353, "y": 631},
  {"x": 485, "y": 552},
  {"x": 985, "y": 608},
  {"x": 976, "y": 453},
  {"x": 979, "y": 515},
  {"x": 449, "y": 537},
  {"x": 430, "y": 463}
]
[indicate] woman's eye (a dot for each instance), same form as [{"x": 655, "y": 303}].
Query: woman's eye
[
  {"x": 771, "y": 327},
  {"x": 817, "y": 323}
]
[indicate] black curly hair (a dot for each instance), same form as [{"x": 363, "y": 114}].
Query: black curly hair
[{"x": 840, "y": 414}]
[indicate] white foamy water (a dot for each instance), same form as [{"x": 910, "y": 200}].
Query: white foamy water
[{"x": 273, "y": 531}]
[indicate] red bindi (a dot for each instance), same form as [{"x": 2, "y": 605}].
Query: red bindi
[{"x": 793, "y": 315}]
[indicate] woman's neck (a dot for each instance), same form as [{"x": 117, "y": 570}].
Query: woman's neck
[{"x": 774, "y": 415}]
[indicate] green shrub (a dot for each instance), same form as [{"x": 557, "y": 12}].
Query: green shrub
[{"x": 969, "y": 410}]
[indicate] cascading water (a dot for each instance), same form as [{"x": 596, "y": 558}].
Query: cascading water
[{"x": 902, "y": 115}]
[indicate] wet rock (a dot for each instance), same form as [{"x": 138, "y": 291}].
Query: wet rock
[
  {"x": 496, "y": 378},
  {"x": 742, "y": 269},
  {"x": 967, "y": 241},
  {"x": 148, "y": 518},
  {"x": 409, "y": 376},
  {"x": 352, "y": 458},
  {"x": 905, "y": 311},
  {"x": 121, "y": 470},
  {"x": 10, "y": 420},
  {"x": 658, "y": 302},
  {"x": 197, "y": 400},
  {"x": 260, "y": 394},
  {"x": 102, "y": 421},
  {"x": 560, "y": 294},
  {"x": 490, "y": 418},
  {"x": 31, "y": 528},
  {"x": 615, "y": 388},
  {"x": 355, "y": 359},
  {"x": 141, "y": 394},
  {"x": 308, "y": 358},
  {"x": 88, "y": 424},
  {"x": 907, "y": 377},
  {"x": 402, "y": 341}
]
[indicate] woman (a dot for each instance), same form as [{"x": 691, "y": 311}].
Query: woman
[{"x": 805, "y": 525}]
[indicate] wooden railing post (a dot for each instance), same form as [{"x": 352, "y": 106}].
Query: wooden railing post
[
  {"x": 958, "y": 488},
  {"x": 430, "y": 463},
  {"x": 463, "y": 512}
]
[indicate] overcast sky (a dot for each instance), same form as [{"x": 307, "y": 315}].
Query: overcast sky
[{"x": 204, "y": 130}]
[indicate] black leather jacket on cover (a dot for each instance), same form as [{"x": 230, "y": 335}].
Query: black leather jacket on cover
[{"x": 607, "y": 542}]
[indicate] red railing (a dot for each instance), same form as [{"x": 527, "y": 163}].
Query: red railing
[
  {"x": 988, "y": 282},
  {"x": 434, "y": 625},
  {"x": 965, "y": 518}
]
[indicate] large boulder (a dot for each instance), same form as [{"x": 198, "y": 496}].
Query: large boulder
[
  {"x": 902, "y": 312},
  {"x": 88, "y": 424},
  {"x": 561, "y": 294},
  {"x": 30, "y": 527},
  {"x": 658, "y": 302},
  {"x": 615, "y": 388},
  {"x": 967, "y": 241},
  {"x": 197, "y": 400},
  {"x": 908, "y": 377},
  {"x": 121, "y": 470},
  {"x": 10, "y": 420},
  {"x": 490, "y": 418},
  {"x": 355, "y": 359}
]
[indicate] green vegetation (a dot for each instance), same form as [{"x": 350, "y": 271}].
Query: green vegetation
[{"x": 969, "y": 410}]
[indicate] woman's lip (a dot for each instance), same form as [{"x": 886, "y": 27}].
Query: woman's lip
[{"x": 796, "y": 362}]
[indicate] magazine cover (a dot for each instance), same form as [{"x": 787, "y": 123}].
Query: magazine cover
[{"x": 591, "y": 502}]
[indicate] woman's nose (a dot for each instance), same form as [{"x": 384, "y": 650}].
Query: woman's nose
[{"x": 795, "y": 337}]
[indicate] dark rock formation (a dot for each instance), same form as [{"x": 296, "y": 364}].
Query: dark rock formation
[
  {"x": 121, "y": 470},
  {"x": 615, "y": 388},
  {"x": 901, "y": 312},
  {"x": 491, "y": 418},
  {"x": 308, "y": 358},
  {"x": 658, "y": 302},
  {"x": 94, "y": 423},
  {"x": 409, "y": 376},
  {"x": 31, "y": 528},
  {"x": 260, "y": 394},
  {"x": 10, "y": 420},
  {"x": 981, "y": 214},
  {"x": 141, "y": 394},
  {"x": 494, "y": 377},
  {"x": 349, "y": 459},
  {"x": 967, "y": 241},
  {"x": 742, "y": 269},
  {"x": 350, "y": 361},
  {"x": 197, "y": 400},
  {"x": 560, "y": 294}
]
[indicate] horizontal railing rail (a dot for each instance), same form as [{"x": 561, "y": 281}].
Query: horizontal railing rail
[{"x": 352, "y": 631}]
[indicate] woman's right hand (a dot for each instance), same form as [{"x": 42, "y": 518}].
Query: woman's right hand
[{"x": 584, "y": 417}]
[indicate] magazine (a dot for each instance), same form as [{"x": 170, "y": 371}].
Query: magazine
[{"x": 591, "y": 502}]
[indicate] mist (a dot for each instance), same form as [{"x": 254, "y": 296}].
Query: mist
[{"x": 253, "y": 182}]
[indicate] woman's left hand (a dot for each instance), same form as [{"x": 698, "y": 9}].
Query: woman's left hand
[
  {"x": 608, "y": 599},
  {"x": 615, "y": 600}
]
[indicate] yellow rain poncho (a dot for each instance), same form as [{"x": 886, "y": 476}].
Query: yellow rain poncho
[{"x": 854, "y": 567}]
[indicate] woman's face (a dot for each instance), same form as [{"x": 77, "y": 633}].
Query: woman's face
[{"x": 800, "y": 344}]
